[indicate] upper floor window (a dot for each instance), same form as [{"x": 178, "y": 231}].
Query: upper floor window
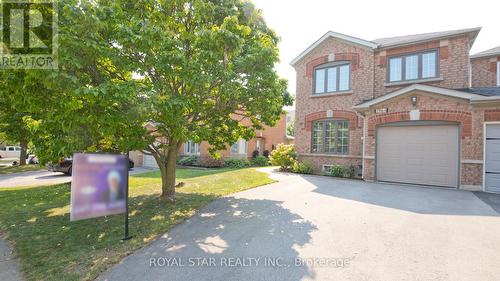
[
  {"x": 416, "y": 66},
  {"x": 332, "y": 78},
  {"x": 330, "y": 136}
]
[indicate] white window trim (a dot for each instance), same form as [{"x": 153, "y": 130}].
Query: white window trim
[
  {"x": 241, "y": 146},
  {"x": 195, "y": 146},
  {"x": 498, "y": 73}
]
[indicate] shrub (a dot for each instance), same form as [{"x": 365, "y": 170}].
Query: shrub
[
  {"x": 236, "y": 163},
  {"x": 283, "y": 156},
  {"x": 265, "y": 153},
  {"x": 349, "y": 171},
  {"x": 210, "y": 162},
  {"x": 189, "y": 161},
  {"x": 336, "y": 171},
  {"x": 341, "y": 171},
  {"x": 260, "y": 161},
  {"x": 255, "y": 153},
  {"x": 302, "y": 168}
]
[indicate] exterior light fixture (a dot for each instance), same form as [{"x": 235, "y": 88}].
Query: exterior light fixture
[{"x": 414, "y": 101}]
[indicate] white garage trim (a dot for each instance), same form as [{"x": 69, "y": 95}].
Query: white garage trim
[
  {"x": 411, "y": 176},
  {"x": 485, "y": 124}
]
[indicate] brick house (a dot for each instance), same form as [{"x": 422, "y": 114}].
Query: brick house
[
  {"x": 401, "y": 109},
  {"x": 266, "y": 139}
]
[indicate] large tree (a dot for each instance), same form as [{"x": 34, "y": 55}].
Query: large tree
[
  {"x": 206, "y": 65},
  {"x": 15, "y": 112},
  {"x": 152, "y": 74}
]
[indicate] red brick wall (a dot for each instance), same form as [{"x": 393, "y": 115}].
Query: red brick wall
[
  {"x": 453, "y": 64},
  {"x": 269, "y": 135},
  {"x": 484, "y": 72},
  {"x": 313, "y": 108}
]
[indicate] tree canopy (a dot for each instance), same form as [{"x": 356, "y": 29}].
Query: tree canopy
[{"x": 192, "y": 70}]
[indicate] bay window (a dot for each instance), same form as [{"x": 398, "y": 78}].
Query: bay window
[
  {"x": 423, "y": 65},
  {"x": 331, "y": 78},
  {"x": 330, "y": 137}
]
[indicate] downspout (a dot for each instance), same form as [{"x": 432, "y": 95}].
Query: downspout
[{"x": 363, "y": 148}]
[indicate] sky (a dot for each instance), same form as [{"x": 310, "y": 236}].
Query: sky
[{"x": 301, "y": 23}]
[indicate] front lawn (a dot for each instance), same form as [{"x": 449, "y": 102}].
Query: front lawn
[
  {"x": 18, "y": 169},
  {"x": 51, "y": 247}
]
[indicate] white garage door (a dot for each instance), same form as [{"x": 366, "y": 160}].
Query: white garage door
[
  {"x": 492, "y": 159},
  {"x": 150, "y": 162},
  {"x": 425, "y": 155}
]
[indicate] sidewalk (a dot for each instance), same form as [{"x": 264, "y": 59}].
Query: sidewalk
[
  {"x": 40, "y": 178},
  {"x": 9, "y": 266}
]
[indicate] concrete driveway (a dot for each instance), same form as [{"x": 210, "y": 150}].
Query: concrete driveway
[
  {"x": 43, "y": 177},
  {"x": 318, "y": 228}
]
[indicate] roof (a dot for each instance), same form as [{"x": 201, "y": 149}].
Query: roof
[
  {"x": 410, "y": 39},
  {"x": 390, "y": 41},
  {"x": 484, "y": 91},
  {"x": 417, "y": 87},
  {"x": 329, "y": 34},
  {"x": 488, "y": 53}
]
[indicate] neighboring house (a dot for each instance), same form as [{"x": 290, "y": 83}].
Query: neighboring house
[
  {"x": 486, "y": 66},
  {"x": 266, "y": 139},
  {"x": 401, "y": 109}
]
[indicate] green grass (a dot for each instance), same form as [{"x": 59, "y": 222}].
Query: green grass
[
  {"x": 17, "y": 169},
  {"x": 51, "y": 247}
]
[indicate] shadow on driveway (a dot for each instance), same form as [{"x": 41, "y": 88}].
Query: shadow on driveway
[
  {"x": 228, "y": 228},
  {"x": 423, "y": 200}
]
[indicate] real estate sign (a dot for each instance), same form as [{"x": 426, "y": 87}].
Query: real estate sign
[{"x": 99, "y": 185}]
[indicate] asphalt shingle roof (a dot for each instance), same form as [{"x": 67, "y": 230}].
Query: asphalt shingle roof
[
  {"x": 483, "y": 91},
  {"x": 398, "y": 40},
  {"x": 491, "y": 52}
]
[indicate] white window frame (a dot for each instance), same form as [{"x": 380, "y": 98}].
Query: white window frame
[
  {"x": 498, "y": 73},
  {"x": 239, "y": 147},
  {"x": 191, "y": 148}
]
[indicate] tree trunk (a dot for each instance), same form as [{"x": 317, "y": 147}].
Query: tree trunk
[
  {"x": 24, "y": 152},
  {"x": 168, "y": 174}
]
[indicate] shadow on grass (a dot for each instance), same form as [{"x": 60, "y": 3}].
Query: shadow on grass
[
  {"x": 187, "y": 173},
  {"x": 48, "y": 244}
]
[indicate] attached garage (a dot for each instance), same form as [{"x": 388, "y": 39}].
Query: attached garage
[
  {"x": 425, "y": 153},
  {"x": 492, "y": 158},
  {"x": 150, "y": 162}
]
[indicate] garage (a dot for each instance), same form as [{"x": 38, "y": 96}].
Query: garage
[
  {"x": 423, "y": 153},
  {"x": 150, "y": 162},
  {"x": 492, "y": 158}
]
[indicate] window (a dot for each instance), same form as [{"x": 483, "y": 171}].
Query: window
[
  {"x": 191, "y": 147},
  {"x": 413, "y": 67},
  {"x": 498, "y": 73},
  {"x": 332, "y": 78},
  {"x": 240, "y": 147},
  {"x": 330, "y": 136}
]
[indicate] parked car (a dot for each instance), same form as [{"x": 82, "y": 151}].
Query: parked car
[
  {"x": 10, "y": 152},
  {"x": 65, "y": 166}
]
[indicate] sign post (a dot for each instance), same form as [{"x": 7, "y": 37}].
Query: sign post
[
  {"x": 126, "y": 236},
  {"x": 99, "y": 186}
]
